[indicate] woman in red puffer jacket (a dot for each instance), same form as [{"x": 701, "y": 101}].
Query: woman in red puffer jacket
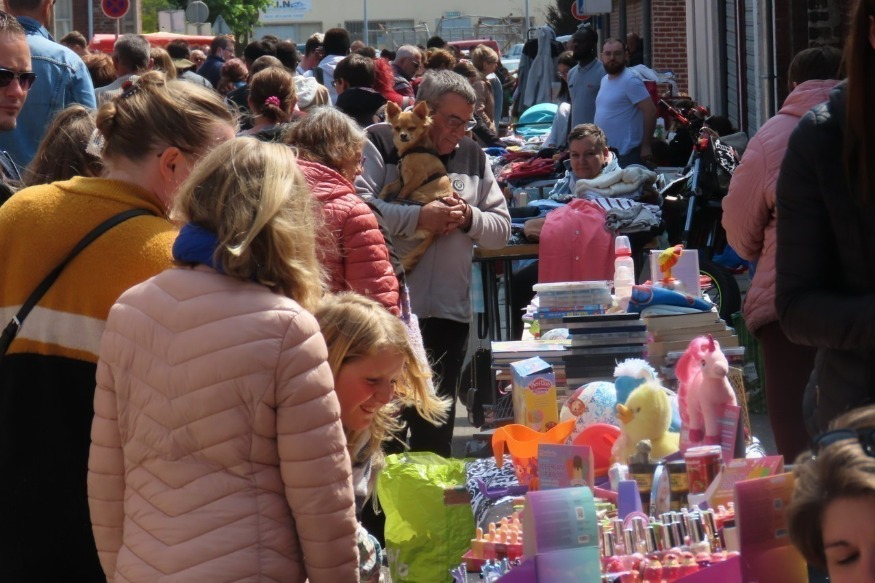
[{"x": 352, "y": 248}]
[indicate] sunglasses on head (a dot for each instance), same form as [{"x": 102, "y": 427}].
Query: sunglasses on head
[
  {"x": 25, "y": 79},
  {"x": 866, "y": 438}
]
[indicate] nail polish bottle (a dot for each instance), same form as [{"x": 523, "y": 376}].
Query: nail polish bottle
[{"x": 688, "y": 565}]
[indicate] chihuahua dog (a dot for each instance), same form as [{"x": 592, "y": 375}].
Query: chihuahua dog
[{"x": 422, "y": 177}]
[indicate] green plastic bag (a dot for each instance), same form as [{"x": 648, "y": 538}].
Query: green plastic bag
[{"x": 425, "y": 537}]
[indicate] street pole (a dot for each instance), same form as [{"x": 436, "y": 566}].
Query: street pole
[
  {"x": 90, "y": 20},
  {"x": 527, "y": 25},
  {"x": 367, "y": 41}
]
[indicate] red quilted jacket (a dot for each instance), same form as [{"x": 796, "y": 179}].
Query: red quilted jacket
[{"x": 351, "y": 247}]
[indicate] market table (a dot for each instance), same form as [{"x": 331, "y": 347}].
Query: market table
[{"x": 488, "y": 258}]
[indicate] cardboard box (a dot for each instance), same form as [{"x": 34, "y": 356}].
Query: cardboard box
[{"x": 535, "y": 404}]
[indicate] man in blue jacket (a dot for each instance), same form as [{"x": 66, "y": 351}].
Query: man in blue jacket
[
  {"x": 221, "y": 49},
  {"x": 16, "y": 78},
  {"x": 62, "y": 79}
]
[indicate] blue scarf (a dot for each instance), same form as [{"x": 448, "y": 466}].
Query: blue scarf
[{"x": 196, "y": 245}]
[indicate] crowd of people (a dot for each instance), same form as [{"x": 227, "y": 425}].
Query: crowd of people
[
  {"x": 212, "y": 342},
  {"x": 214, "y": 339}
]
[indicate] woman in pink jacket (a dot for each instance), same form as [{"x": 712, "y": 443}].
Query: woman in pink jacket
[
  {"x": 351, "y": 247},
  {"x": 749, "y": 217},
  {"x": 218, "y": 452}
]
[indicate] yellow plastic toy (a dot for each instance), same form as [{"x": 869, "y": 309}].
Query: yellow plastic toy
[{"x": 646, "y": 415}]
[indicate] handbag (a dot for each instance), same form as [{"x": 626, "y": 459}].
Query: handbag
[{"x": 11, "y": 330}]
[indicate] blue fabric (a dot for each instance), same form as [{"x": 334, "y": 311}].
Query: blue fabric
[
  {"x": 196, "y": 245},
  {"x": 645, "y": 295},
  {"x": 211, "y": 69},
  {"x": 61, "y": 80}
]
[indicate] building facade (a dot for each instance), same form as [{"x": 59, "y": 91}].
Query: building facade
[
  {"x": 392, "y": 24},
  {"x": 87, "y": 17}
]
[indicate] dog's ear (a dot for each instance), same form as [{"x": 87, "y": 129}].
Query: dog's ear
[
  {"x": 392, "y": 109},
  {"x": 421, "y": 109}
]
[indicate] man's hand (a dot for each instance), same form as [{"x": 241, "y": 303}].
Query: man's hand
[{"x": 442, "y": 216}]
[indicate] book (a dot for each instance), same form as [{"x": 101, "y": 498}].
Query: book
[
  {"x": 511, "y": 350},
  {"x": 673, "y": 321},
  {"x": 718, "y": 331},
  {"x": 564, "y": 466},
  {"x": 663, "y": 348},
  {"x": 582, "y": 320},
  {"x": 609, "y": 339},
  {"x": 559, "y": 519}
]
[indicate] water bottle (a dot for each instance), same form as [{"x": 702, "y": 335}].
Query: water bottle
[{"x": 624, "y": 267}]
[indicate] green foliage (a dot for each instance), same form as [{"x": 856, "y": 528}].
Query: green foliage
[
  {"x": 241, "y": 15},
  {"x": 150, "y": 13},
  {"x": 559, "y": 17}
]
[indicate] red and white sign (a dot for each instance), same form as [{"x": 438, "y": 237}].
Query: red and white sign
[
  {"x": 115, "y": 8},
  {"x": 583, "y": 9}
]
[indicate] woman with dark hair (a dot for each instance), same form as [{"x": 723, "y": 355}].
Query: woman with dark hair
[{"x": 826, "y": 235}]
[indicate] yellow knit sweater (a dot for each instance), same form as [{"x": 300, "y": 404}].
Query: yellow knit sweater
[{"x": 38, "y": 228}]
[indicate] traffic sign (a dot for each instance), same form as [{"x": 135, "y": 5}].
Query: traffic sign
[
  {"x": 582, "y": 9},
  {"x": 197, "y": 12},
  {"x": 115, "y": 8}
]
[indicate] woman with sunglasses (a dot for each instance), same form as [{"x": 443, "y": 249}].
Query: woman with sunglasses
[
  {"x": 832, "y": 513},
  {"x": 149, "y": 138},
  {"x": 826, "y": 235}
]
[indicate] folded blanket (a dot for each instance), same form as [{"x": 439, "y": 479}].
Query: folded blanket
[{"x": 619, "y": 183}]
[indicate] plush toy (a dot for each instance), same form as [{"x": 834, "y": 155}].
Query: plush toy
[
  {"x": 646, "y": 415},
  {"x": 704, "y": 390},
  {"x": 632, "y": 372}
]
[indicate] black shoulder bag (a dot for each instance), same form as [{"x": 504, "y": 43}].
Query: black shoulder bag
[{"x": 14, "y": 325}]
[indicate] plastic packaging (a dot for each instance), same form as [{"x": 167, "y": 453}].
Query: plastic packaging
[
  {"x": 624, "y": 268},
  {"x": 659, "y": 133}
]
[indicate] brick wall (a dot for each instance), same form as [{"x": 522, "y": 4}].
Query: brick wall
[
  {"x": 828, "y": 22},
  {"x": 669, "y": 35},
  {"x": 669, "y": 18}
]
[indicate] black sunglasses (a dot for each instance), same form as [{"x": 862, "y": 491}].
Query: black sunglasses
[
  {"x": 866, "y": 438},
  {"x": 25, "y": 79}
]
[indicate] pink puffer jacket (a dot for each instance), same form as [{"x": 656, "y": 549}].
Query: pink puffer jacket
[
  {"x": 351, "y": 247},
  {"x": 217, "y": 450},
  {"x": 749, "y": 211}
]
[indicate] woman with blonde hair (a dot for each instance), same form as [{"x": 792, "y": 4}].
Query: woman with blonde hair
[
  {"x": 831, "y": 513},
  {"x": 217, "y": 445},
  {"x": 63, "y": 152},
  {"x": 485, "y": 60},
  {"x": 161, "y": 61},
  {"x": 351, "y": 246},
  {"x": 149, "y": 138},
  {"x": 376, "y": 372},
  {"x": 272, "y": 100}
]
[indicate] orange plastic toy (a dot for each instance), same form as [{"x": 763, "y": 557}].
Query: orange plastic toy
[
  {"x": 522, "y": 442},
  {"x": 600, "y": 438}
]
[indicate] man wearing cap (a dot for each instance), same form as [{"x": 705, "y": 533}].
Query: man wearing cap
[{"x": 180, "y": 53}]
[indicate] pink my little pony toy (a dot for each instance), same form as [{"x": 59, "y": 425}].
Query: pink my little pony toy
[{"x": 704, "y": 389}]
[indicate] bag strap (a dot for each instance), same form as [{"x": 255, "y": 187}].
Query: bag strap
[{"x": 14, "y": 325}]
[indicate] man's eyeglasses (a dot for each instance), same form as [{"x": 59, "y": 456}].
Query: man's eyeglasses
[
  {"x": 866, "y": 438},
  {"x": 454, "y": 123},
  {"x": 415, "y": 63},
  {"x": 25, "y": 78}
]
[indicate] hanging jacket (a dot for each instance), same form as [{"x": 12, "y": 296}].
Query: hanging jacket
[{"x": 574, "y": 244}]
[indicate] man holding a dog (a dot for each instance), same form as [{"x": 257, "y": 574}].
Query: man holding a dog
[{"x": 476, "y": 213}]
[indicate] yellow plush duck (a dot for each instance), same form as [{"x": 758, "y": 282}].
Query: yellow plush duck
[{"x": 646, "y": 415}]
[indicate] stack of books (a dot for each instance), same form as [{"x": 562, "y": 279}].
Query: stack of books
[
  {"x": 599, "y": 342},
  {"x": 567, "y": 299},
  {"x": 669, "y": 333},
  {"x": 552, "y": 351}
]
